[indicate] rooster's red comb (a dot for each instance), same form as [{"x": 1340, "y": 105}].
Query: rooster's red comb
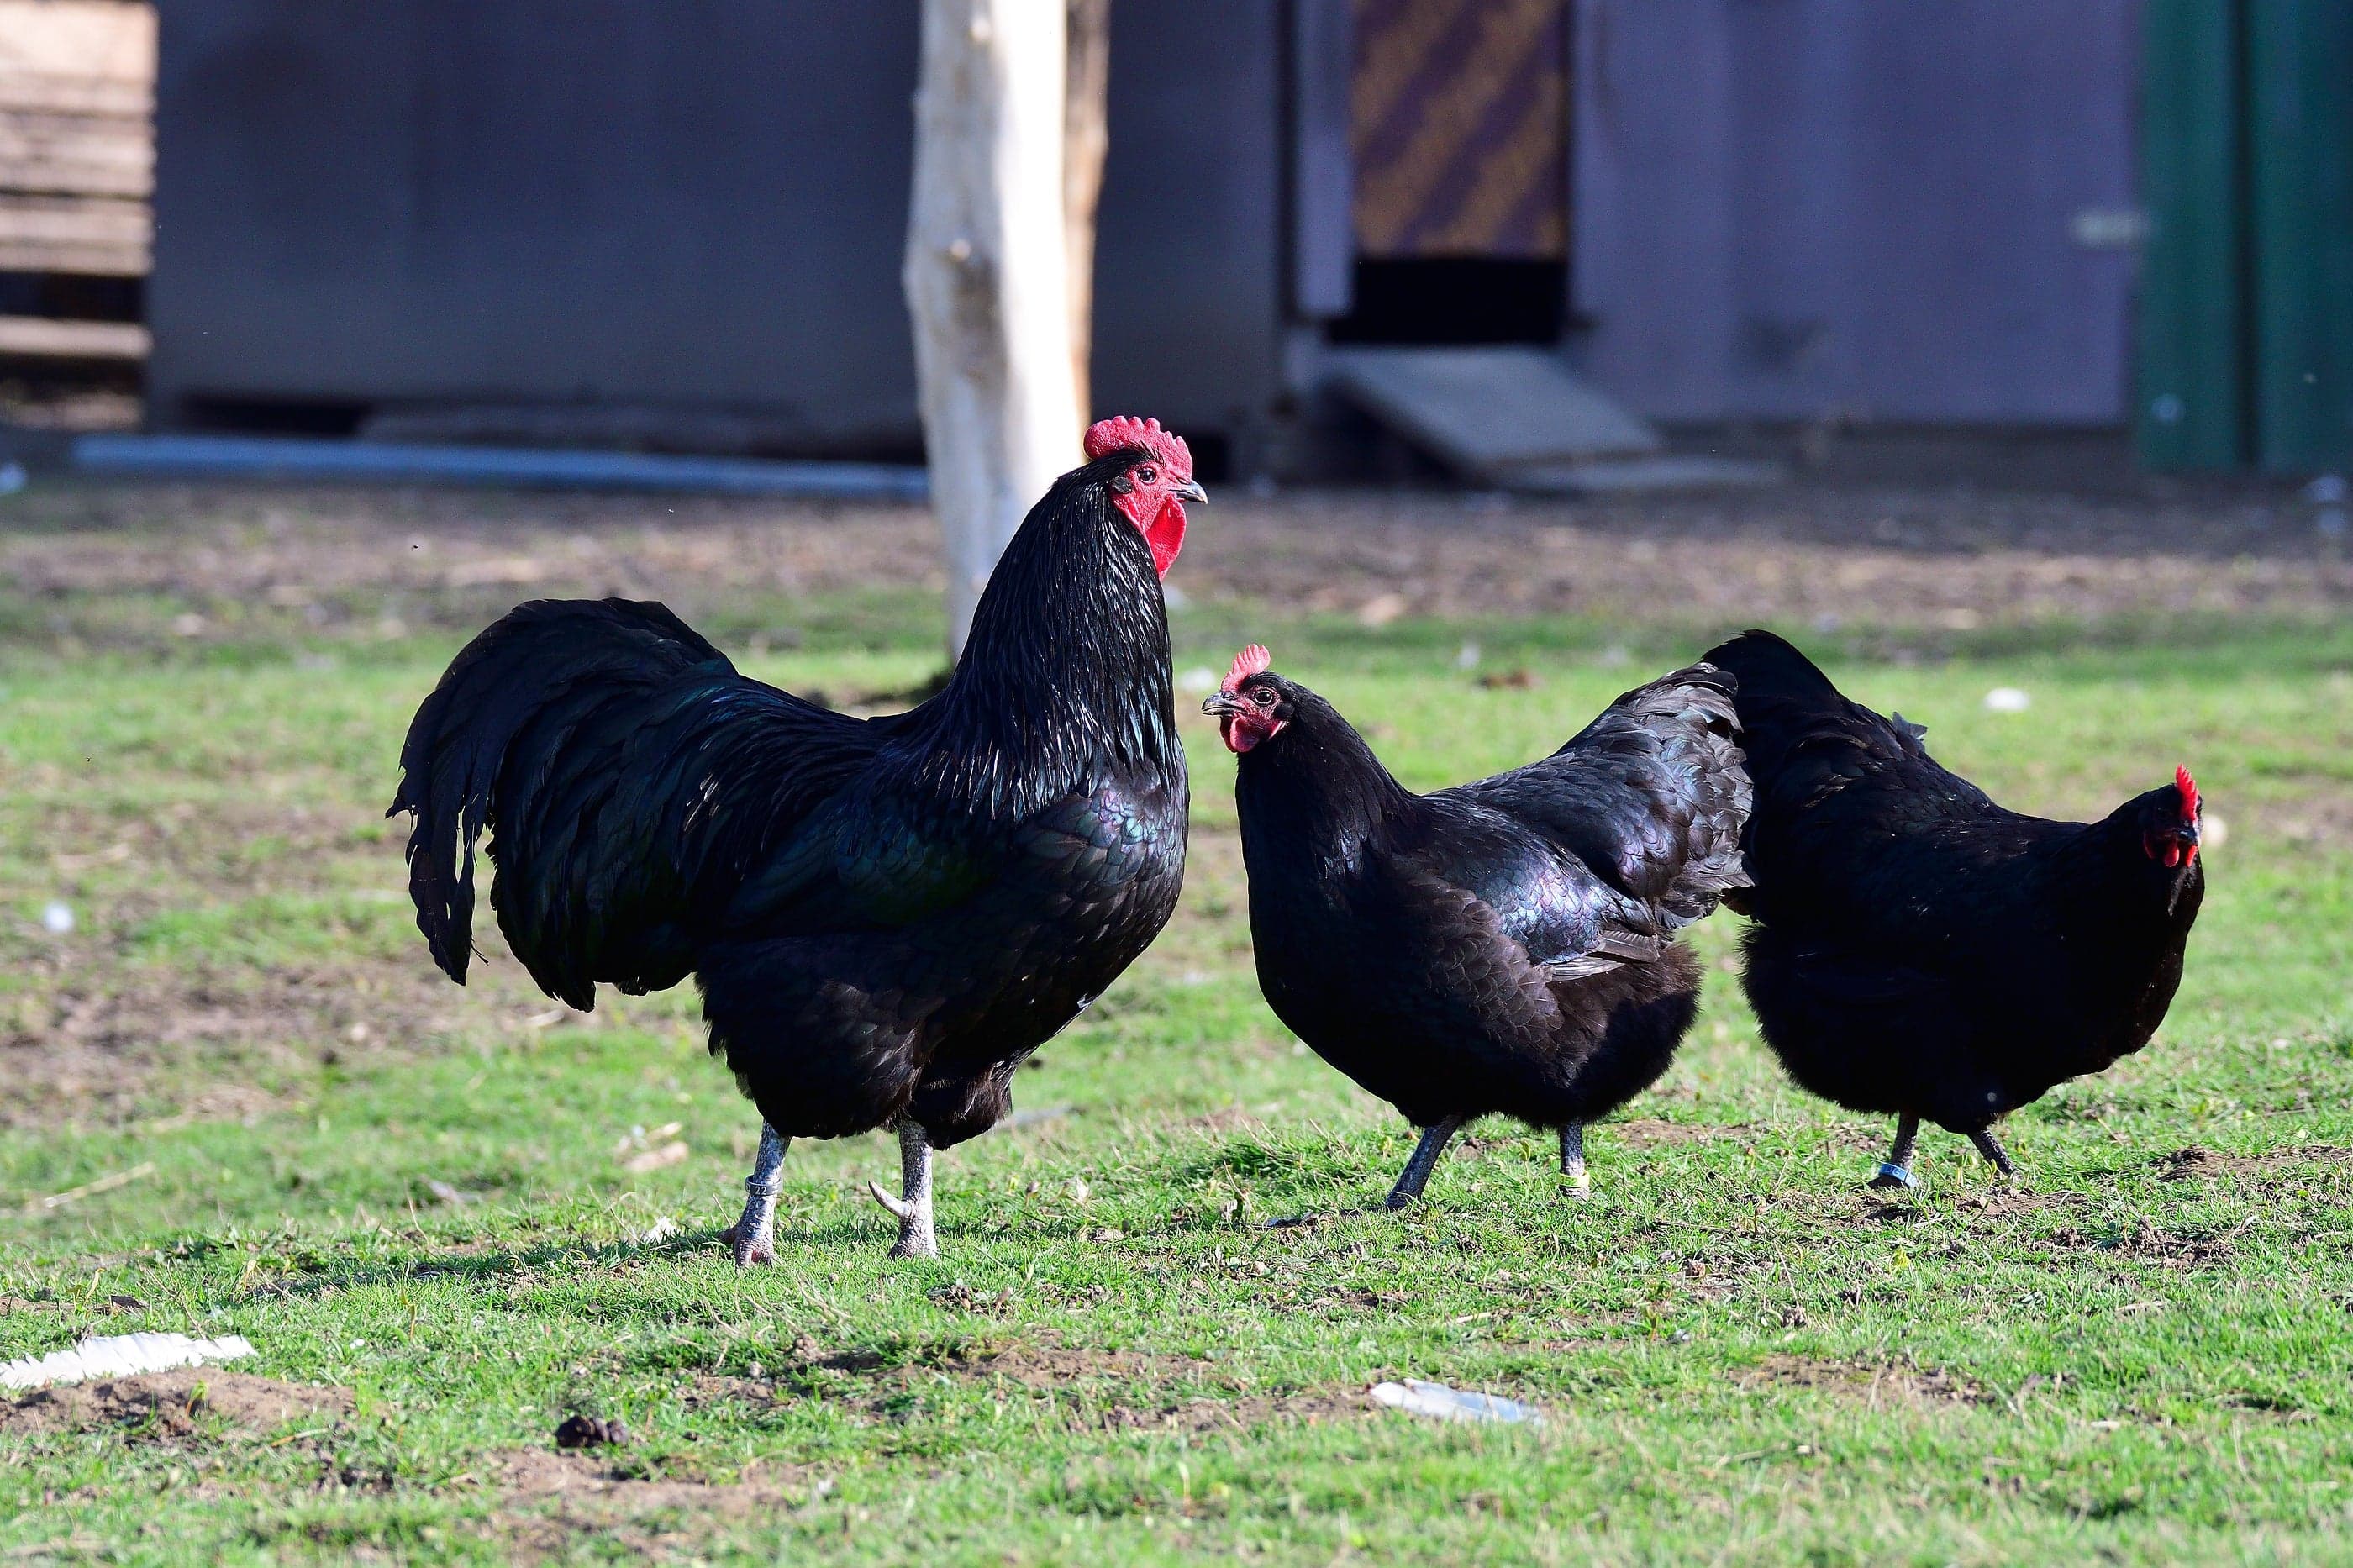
[
  {"x": 1252, "y": 660},
  {"x": 1108, "y": 435},
  {"x": 2189, "y": 788}
]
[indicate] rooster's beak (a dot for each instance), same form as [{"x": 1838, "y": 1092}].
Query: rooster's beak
[
  {"x": 1190, "y": 491},
  {"x": 1222, "y": 704}
]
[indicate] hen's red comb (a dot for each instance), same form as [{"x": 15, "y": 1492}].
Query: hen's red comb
[
  {"x": 1252, "y": 660},
  {"x": 2189, "y": 788},
  {"x": 1108, "y": 435}
]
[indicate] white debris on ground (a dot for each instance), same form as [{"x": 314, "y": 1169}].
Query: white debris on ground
[
  {"x": 121, "y": 1355},
  {"x": 1443, "y": 1403},
  {"x": 1198, "y": 682},
  {"x": 57, "y": 918},
  {"x": 2007, "y": 700},
  {"x": 661, "y": 1229},
  {"x": 2212, "y": 831}
]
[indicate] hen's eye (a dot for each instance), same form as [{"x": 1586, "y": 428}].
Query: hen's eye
[
  {"x": 1265, "y": 697},
  {"x": 1146, "y": 475}
]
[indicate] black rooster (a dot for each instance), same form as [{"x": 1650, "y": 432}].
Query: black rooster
[
  {"x": 885, "y": 916},
  {"x": 1504, "y": 946},
  {"x": 1920, "y": 950}
]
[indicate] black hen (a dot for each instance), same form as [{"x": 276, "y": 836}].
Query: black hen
[
  {"x": 1504, "y": 946},
  {"x": 1920, "y": 950},
  {"x": 885, "y": 916}
]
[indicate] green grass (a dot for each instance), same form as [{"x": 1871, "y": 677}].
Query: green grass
[{"x": 1739, "y": 1352}]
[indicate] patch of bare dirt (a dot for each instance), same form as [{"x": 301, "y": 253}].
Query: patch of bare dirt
[
  {"x": 1875, "y": 1385},
  {"x": 1201, "y": 1413},
  {"x": 117, "y": 1042},
  {"x": 2014, "y": 1203},
  {"x": 552, "y": 1502},
  {"x": 2196, "y": 1163},
  {"x": 174, "y": 1407},
  {"x": 535, "y": 1475},
  {"x": 1943, "y": 558},
  {"x": 1115, "y": 1389},
  {"x": 2145, "y": 1242},
  {"x": 1650, "y": 1132}
]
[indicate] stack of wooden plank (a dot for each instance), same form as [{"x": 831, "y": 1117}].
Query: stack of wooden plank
[{"x": 76, "y": 159}]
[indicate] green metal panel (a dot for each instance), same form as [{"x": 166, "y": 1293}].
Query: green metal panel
[
  {"x": 2192, "y": 405},
  {"x": 2300, "y": 157}
]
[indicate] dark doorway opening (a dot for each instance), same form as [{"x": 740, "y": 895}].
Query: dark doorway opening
[
  {"x": 272, "y": 415},
  {"x": 1456, "y": 300}
]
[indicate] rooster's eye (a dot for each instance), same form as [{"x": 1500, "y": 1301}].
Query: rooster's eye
[{"x": 1146, "y": 475}]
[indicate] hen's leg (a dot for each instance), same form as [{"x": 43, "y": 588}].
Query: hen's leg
[
  {"x": 914, "y": 1210},
  {"x": 1572, "y": 1158},
  {"x": 1990, "y": 1147},
  {"x": 755, "y": 1234},
  {"x": 1425, "y": 1156},
  {"x": 1895, "y": 1171}
]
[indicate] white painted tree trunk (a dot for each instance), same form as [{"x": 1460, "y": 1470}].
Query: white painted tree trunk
[
  {"x": 988, "y": 276},
  {"x": 1086, "y": 140}
]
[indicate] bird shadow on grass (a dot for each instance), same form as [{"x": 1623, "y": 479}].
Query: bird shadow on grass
[{"x": 848, "y": 1238}]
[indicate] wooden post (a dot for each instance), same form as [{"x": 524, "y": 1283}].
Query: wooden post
[
  {"x": 1086, "y": 138},
  {"x": 988, "y": 276}
]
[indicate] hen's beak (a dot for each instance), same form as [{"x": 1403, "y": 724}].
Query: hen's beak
[
  {"x": 1221, "y": 704},
  {"x": 1190, "y": 491}
]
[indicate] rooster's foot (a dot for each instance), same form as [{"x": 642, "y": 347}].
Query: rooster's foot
[
  {"x": 753, "y": 1233},
  {"x": 916, "y": 1236}
]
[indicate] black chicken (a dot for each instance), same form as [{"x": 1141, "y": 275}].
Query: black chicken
[
  {"x": 1920, "y": 950},
  {"x": 885, "y": 915},
  {"x": 1504, "y": 946}
]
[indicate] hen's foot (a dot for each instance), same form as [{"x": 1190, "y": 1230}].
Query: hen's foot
[
  {"x": 916, "y": 1236},
  {"x": 1990, "y": 1147},
  {"x": 1572, "y": 1161},
  {"x": 1425, "y": 1157},
  {"x": 1895, "y": 1171},
  {"x": 753, "y": 1233}
]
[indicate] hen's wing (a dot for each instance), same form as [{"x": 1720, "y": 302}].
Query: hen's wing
[
  {"x": 632, "y": 781},
  {"x": 1651, "y": 796},
  {"x": 1472, "y": 874}
]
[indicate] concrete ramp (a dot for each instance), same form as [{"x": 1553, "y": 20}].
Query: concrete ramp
[{"x": 1519, "y": 418}]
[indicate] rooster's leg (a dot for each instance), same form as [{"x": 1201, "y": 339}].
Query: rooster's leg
[
  {"x": 1433, "y": 1143},
  {"x": 1895, "y": 1171},
  {"x": 755, "y": 1234},
  {"x": 1572, "y": 1158},
  {"x": 1990, "y": 1147},
  {"x": 914, "y": 1210}
]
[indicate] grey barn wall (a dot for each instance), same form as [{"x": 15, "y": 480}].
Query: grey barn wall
[
  {"x": 1782, "y": 209},
  {"x": 1789, "y": 208},
  {"x": 699, "y": 204}
]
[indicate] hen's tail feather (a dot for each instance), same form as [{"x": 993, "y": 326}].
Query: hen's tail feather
[
  {"x": 540, "y": 673},
  {"x": 1652, "y": 795},
  {"x": 1694, "y": 713}
]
